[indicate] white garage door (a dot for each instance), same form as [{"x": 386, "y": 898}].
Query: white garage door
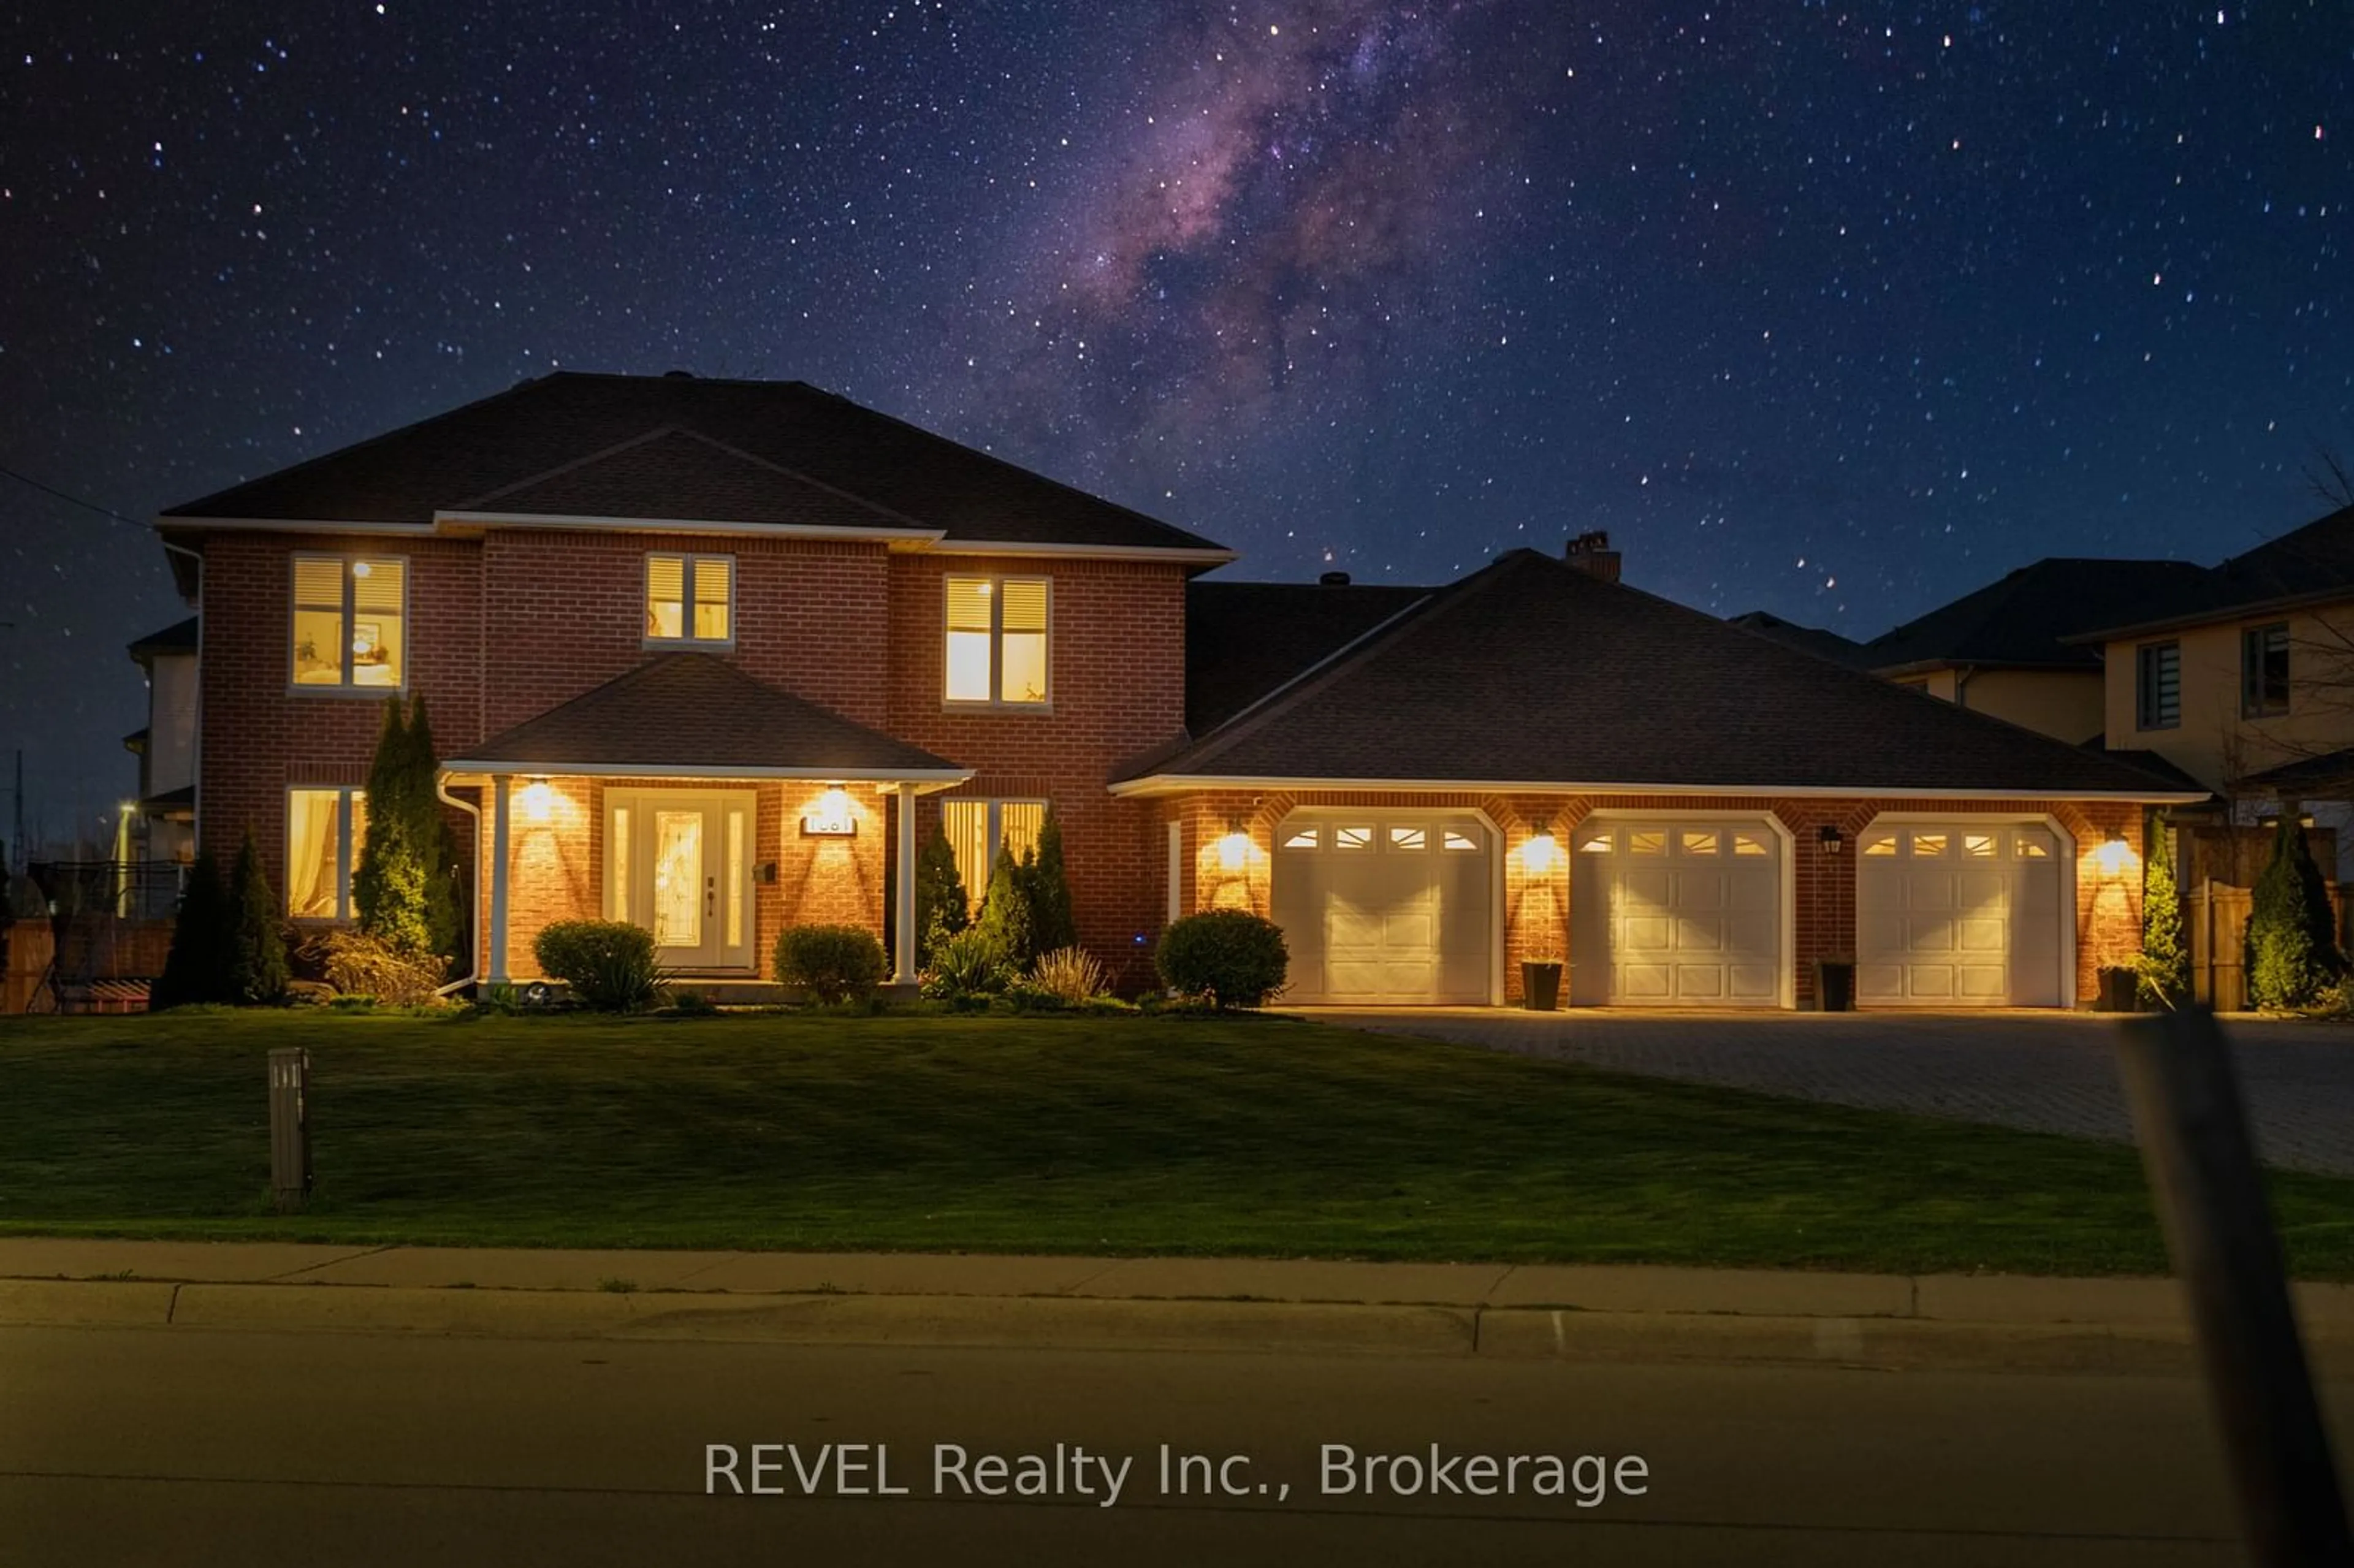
[
  {"x": 1957, "y": 913},
  {"x": 1685, "y": 914},
  {"x": 1385, "y": 907}
]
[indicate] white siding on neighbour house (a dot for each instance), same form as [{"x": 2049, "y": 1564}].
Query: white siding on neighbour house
[{"x": 172, "y": 722}]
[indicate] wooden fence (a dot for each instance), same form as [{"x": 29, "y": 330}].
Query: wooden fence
[{"x": 2216, "y": 914}]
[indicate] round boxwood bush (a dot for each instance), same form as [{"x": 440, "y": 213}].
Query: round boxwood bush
[
  {"x": 608, "y": 964},
  {"x": 1233, "y": 958},
  {"x": 830, "y": 963}
]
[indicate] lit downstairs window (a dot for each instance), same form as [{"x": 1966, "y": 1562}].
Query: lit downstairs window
[
  {"x": 325, "y": 830},
  {"x": 977, "y": 829},
  {"x": 350, "y": 623},
  {"x": 997, "y": 640},
  {"x": 690, "y": 600}
]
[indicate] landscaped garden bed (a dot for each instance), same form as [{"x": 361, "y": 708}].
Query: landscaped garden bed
[{"x": 1075, "y": 1133}]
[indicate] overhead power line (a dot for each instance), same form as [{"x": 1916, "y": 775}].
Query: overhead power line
[{"x": 51, "y": 490}]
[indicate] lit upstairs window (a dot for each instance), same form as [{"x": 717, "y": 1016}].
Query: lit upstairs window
[
  {"x": 690, "y": 600},
  {"x": 350, "y": 623},
  {"x": 997, "y": 651}
]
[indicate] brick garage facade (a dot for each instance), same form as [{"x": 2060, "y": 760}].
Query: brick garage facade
[{"x": 2107, "y": 910}]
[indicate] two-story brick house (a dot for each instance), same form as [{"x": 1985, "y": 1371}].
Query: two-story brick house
[{"x": 713, "y": 655}]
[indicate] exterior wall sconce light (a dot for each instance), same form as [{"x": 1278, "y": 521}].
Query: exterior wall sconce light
[
  {"x": 537, "y": 800},
  {"x": 1234, "y": 849},
  {"x": 830, "y": 816},
  {"x": 2113, "y": 855},
  {"x": 1542, "y": 853},
  {"x": 1828, "y": 837}
]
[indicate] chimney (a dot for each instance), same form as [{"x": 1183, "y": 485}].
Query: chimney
[
  {"x": 1333, "y": 579},
  {"x": 1591, "y": 553}
]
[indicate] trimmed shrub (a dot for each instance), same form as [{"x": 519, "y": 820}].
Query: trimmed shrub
[
  {"x": 197, "y": 969},
  {"x": 608, "y": 964},
  {"x": 1004, "y": 921},
  {"x": 406, "y": 889},
  {"x": 1069, "y": 975},
  {"x": 2292, "y": 951},
  {"x": 257, "y": 971},
  {"x": 942, "y": 908},
  {"x": 830, "y": 963},
  {"x": 1230, "y": 957},
  {"x": 358, "y": 965},
  {"x": 2164, "y": 964},
  {"x": 967, "y": 965},
  {"x": 1052, "y": 928}
]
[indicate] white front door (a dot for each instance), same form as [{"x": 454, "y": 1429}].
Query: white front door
[
  {"x": 1957, "y": 913},
  {"x": 1676, "y": 914},
  {"x": 680, "y": 865}
]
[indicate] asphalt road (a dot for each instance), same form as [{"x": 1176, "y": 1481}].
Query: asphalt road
[{"x": 182, "y": 1446}]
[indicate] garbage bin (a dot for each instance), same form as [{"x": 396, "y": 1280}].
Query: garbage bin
[
  {"x": 1541, "y": 984},
  {"x": 1835, "y": 985},
  {"x": 2120, "y": 990}
]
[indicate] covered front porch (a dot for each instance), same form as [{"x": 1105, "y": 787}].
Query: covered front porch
[{"x": 699, "y": 803}]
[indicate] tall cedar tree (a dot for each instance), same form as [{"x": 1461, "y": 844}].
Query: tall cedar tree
[
  {"x": 258, "y": 964},
  {"x": 2164, "y": 949},
  {"x": 2291, "y": 950},
  {"x": 197, "y": 967},
  {"x": 1052, "y": 927},
  {"x": 406, "y": 888},
  {"x": 941, "y": 908},
  {"x": 445, "y": 920},
  {"x": 1006, "y": 913}
]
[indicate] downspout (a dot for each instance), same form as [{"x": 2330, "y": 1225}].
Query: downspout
[
  {"x": 1962, "y": 675},
  {"x": 197, "y": 751},
  {"x": 473, "y": 891}
]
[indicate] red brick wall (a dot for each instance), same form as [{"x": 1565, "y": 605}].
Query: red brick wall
[
  {"x": 565, "y": 612},
  {"x": 260, "y": 736},
  {"x": 1117, "y": 683},
  {"x": 2108, "y": 908}
]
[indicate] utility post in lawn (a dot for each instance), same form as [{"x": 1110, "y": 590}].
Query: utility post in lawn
[{"x": 290, "y": 1128}]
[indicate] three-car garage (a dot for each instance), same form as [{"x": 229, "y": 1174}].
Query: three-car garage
[{"x": 1401, "y": 907}]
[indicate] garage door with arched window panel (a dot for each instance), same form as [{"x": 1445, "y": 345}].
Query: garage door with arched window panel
[
  {"x": 1676, "y": 914},
  {"x": 1959, "y": 913},
  {"x": 1385, "y": 908}
]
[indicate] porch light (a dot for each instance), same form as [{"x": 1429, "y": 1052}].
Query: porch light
[
  {"x": 2113, "y": 855},
  {"x": 1233, "y": 851},
  {"x": 830, "y": 816},
  {"x": 537, "y": 800},
  {"x": 1540, "y": 855}
]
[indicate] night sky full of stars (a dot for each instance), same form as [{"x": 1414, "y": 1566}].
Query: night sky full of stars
[{"x": 1836, "y": 310}]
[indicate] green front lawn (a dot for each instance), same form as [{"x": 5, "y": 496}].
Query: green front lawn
[{"x": 1118, "y": 1135}]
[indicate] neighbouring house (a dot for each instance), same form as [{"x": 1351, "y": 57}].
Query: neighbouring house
[
  {"x": 166, "y": 748},
  {"x": 711, "y": 656},
  {"x": 2005, "y": 649},
  {"x": 1818, "y": 641},
  {"x": 2243, "y": 677}
]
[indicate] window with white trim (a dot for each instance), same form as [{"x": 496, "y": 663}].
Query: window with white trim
[
  {"x": 349, "y": 626},
  {"x": 998, "y": 632},
  {"x": 690, "y": 600},
  {"x": 325, "y": 830},
  {"x": 977, "y": 829}
]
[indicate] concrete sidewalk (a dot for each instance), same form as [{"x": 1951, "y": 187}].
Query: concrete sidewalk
[{"x": 1617, "y": 1312}]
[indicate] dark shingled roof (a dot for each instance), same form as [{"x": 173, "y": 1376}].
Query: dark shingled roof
[
  {"x": 1531, "y": 670},
  {"x": 541, "y": 426},
  {"x": 694, "y": 713},
  {"x": 2021, "y": 618},
  {"x": 180, "y": 636},
  {"x": 1244, "y": 639},
  {"x": 677, "y": 474},
  {"x": 1814, "y": 640},
  {"x": 2332, "y": 770},
  {"x": 2314, "y": 562}
]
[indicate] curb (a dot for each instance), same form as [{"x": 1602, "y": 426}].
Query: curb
[{"x": 1515, "y": 1333}]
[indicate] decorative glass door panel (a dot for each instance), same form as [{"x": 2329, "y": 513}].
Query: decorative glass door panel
[{"x": 680, "y": 865}]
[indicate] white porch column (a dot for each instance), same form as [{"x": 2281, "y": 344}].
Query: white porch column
[
  {"x": 500, "y": 784},
  {"x": 906, "y": 945}
]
